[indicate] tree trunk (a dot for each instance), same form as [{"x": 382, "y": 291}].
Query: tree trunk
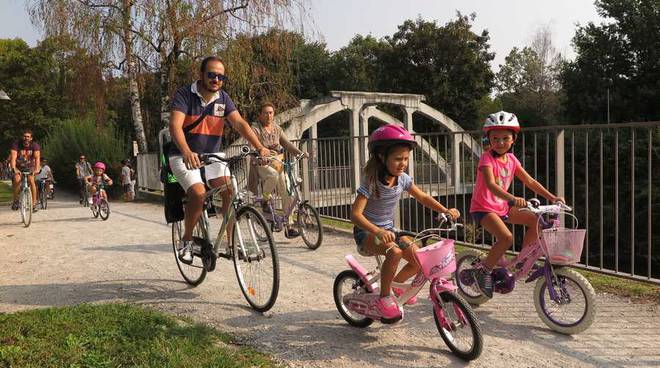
[{"x": 133, "y": 91}]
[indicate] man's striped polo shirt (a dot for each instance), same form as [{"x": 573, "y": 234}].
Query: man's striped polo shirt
[{"x": 207, "y": 136}]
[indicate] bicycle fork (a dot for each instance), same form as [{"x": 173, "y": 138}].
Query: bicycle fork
[{"x": 439, "y": 286}]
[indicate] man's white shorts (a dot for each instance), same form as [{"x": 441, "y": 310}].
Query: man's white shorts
[{"x": 187, "y": 177}]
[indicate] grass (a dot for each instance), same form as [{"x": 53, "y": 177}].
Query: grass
[
  {"x": 5, "y": 191},
  {"x": 116, "y": 335}
]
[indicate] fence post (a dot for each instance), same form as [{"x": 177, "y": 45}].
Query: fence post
[{"x": 560, "y": 177}]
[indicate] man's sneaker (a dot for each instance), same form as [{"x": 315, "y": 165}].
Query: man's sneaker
[
  {"x": 387, "y": 309},
  {"x": 291, "y": 233},
  {"x": 484, "y": 281},
  {"x": 14, "y": 206},
  {"x": 35, "y": 209},
  {"x": 410, "y": 301},
  {"x": 185, "y": 252}
]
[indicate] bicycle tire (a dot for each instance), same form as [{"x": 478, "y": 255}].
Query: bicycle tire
[
  {"x": 95, "y": 210},
  {"x": 308, "y": 212},
  {"x": 194, "y": 273},
  {"x": 585, "y": 316},
  {"x": 26, "y": 206},
  {"x": 470, "y": 293},
  {"x": 245, "y": 264},
  {"x": 43, "y": 199},
  {"x": 458, "y": 304},
  {"x": 338, "y": 294},
  {"x": 104, "y": 209}
]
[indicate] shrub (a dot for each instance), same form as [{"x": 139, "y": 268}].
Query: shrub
[{"x": 71, "y": 138}]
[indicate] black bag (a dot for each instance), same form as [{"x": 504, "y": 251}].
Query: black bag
[
  {"x": 173, "y": 202},
  {"x": 165, "y": 168}
]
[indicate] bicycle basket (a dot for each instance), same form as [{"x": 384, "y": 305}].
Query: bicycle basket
[
  {"x": 564, "y": 245},
  {"x": 438, "y": 258}
]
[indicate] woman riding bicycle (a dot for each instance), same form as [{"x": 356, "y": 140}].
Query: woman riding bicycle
[
  {"x": 373, "y": 211},
  {"x": 490, "y": 206},
  {"x": 270, "y": 172}
]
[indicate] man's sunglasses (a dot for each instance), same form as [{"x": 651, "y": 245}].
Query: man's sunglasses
[{"x": 212, "y": 75}]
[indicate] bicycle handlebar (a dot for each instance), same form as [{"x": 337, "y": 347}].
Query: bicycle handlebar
[{"x": 534, "y": 206}]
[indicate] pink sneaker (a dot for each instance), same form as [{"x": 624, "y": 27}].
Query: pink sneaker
[
  {"x": 410, "y": 301},
  {"x": 388, "y": 309}
]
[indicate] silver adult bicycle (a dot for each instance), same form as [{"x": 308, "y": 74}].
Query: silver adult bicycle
[
  {"x": 251, "y": 249},
  {"x": 25, "y": 198}
]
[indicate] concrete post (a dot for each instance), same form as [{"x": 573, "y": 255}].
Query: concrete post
[
  {"x": 408, "y": 124},
  {"x": 456, "y": 162},
  {"x": 355, "y": 131}
]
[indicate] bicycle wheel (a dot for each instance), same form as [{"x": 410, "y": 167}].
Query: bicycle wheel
[
  {"x": 85, "y": 198},
  {"x": 195, "y": 272},
  {"x": 463, "y": 333},
  {"x": 95, "y": 209},
  {"x": 348, "y": 283},
  {"x": 104, "y": 209},
  {"x": 576, "y": 309},
  {"x": 43, "y": 199},
  {"x": 259, "y": 231},
  {"x": 309, "y": 225},
  {"x": 256, "y": 263},
  {"x": 467, "y": 288},
  {"x": 26, "y": 206}
]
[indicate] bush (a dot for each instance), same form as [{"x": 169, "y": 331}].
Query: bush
[{"x": 71, "y": 138}]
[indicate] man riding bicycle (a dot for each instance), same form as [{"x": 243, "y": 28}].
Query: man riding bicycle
[
  {"x": 204, "y": 98},
  {"x": 24, "y": 156},
  {"x": 83, "y": 170}
]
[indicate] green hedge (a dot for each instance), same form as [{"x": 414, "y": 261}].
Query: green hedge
[{"x": 71, "y": 138}]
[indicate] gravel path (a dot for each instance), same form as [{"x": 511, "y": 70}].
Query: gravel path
[{"x": 67, "y": 257}]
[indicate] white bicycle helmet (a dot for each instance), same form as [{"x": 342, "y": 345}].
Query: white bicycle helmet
[{"x": 501, "y": 120}]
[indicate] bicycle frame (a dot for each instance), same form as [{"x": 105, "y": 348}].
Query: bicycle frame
[
  {"x": 236, "y": 202},
  {"x": 297, "y": 200}
]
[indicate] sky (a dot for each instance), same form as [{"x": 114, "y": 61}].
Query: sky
[{"x": 511, "y": 23}]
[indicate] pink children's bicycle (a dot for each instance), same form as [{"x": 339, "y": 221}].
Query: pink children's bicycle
[
  {"x": 100, "y": 206},
  {"x": 564, "y": 299},
  {"x": 356, "y": 290}
]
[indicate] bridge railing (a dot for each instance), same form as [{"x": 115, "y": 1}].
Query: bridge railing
[{"x": 605, "y": 172}]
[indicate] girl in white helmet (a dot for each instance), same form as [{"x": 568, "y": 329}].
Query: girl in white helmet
[{"x": 492, "y": 205}]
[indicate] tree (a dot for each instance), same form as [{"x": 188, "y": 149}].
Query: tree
[
  {"x": 448, "y": 64},
  {"x": 106, "y": 28},
  {"x": 621, "y": 57},
  {"x": 528, "y": 82}
]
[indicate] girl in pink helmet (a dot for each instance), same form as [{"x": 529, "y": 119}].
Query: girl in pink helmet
[
  {"x": 373, "y": 212},
  {"x": 492, "y": 205},
  {"x": 98, "y": 181}
]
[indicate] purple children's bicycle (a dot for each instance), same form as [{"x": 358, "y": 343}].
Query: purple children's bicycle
[
  {"x": 356, "y": 291},
  {"x": 100, "y": 206},
  {"x": 564, "y": 299}
]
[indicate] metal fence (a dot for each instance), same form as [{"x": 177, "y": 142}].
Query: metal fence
[{"x": 604, "y": 171}]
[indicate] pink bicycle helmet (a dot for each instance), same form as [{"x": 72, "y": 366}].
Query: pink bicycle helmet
[
  {"x": 389, "y": 135},
  {"x": 99, "y": 165}
]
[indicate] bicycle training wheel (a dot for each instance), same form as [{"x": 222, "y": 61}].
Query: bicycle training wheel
[
  {"x": 309, "y": 224},
  {"x": 255, "y": 260},
  {"x": 348, "y": 283},
  {"x": 575, "y": 310},
  {"x": 26, "y": 206},
  {"x": 195, "y": 272},
  {"x": 461, "y": 331},
  {"x": 104, "y": 209}
]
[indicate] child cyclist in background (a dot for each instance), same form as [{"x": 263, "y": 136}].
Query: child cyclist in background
[
  {"x": 490, "y": 206},
  {"x": 373, "y": 212},
  {"x": 98, "y": 181}
]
